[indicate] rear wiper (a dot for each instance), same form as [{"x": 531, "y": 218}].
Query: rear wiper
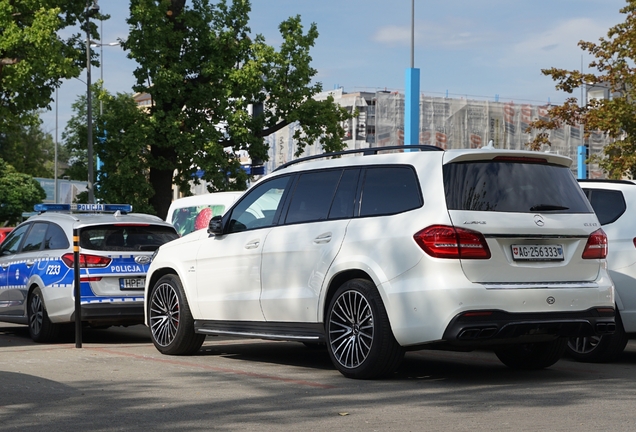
[{"x": 547, "y": 207}]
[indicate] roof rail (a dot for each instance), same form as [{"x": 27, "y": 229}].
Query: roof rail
[
  {"x": 629, "y": 182},
  {"x": 365, "y": 152}
]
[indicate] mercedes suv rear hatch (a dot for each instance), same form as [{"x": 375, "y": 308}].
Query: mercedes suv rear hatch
[{"x": 527, "y": 216}]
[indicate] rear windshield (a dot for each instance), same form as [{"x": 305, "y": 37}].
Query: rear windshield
[
  {"x": 517, "y": 187},
  {"x": 126, "y": 237}
]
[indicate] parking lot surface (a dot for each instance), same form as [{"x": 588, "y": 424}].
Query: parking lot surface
[{"x": 119, "y": 381}]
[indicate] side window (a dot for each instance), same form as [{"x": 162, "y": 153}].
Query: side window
[
  {"x": 55, "y": 238},
  {"x": 389, "y": 190},
  {"x": 258, "y": 208},
  {"x": 12, "y": 242},
  {"x": 35, "y": 237},
  {"x": 608, "y": 205},
  {"x": 343, "y": 203},
  {"x": 312, "y": 196}
]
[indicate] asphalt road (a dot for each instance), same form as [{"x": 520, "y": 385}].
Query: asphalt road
[{"x": 119, "y": 381}]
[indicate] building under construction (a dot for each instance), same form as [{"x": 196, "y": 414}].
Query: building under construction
[{"x": 444, "y": 122}]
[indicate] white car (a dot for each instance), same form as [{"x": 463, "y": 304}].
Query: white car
[
  {"x": 371, "y": 255},
  {"x": 614, "y": 202}
]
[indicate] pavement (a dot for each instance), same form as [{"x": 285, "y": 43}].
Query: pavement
[{"x": 118, "y": 381}]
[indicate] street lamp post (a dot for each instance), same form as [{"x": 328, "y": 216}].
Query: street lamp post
[{"x": 90, "y": 11}]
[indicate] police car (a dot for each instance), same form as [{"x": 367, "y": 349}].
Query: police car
[{"x": 37, "y": 261}]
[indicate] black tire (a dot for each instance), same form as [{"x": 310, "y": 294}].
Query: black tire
[
  {"x": 170, "y": 319},
  {"x": 41, "y": 329},
  {"x": 599, "y": 349},
  {"x": 532, "y": 356},
  {"x": 359, "y": 337}
]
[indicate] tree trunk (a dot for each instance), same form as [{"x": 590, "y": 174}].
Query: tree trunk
[{"x": 161, "y": 181}]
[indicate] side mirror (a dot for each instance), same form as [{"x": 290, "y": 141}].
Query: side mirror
[{"x": 216, "y": 226}]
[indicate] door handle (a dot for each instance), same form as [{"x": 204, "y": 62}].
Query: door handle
[
  {"x": 29, "y": 263},
  {"x": 253, "y": 244},
  {"x": 323, "y": 238},
  {"x": 5, "y": 266}
]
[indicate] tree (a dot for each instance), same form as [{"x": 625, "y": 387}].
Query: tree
[
  {"x": 18, "y": 193},
  {"x": 203, "y": 71},
  {"x": 614, "y": 65},
  {"x": 34, "y": 58},
  {"x": 29, "y": 150},
  {"x": 120, "y": 143}
]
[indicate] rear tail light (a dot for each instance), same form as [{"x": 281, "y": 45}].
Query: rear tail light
[
  {"x": 441, "y": 241},
  {"x": 91, "y": 279},
  {"x": 596, "y": 246},
  {"x": 86, "y": 261}
]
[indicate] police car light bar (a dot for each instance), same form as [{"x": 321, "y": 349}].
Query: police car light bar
[{"x": 97, "y": 208}]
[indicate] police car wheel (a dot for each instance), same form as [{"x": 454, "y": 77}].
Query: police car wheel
[
  {"x": 170, "y": 319},
  {"x": 41, "y": 328}
]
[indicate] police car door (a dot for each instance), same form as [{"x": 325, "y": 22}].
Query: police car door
[
  {"x": 23, "y": 265},
  {"x": 8, "y": 254}
]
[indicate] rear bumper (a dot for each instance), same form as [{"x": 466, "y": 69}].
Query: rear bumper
[
  {"x": 483, "y": 328},
  {"x": 113, "y": 314}
]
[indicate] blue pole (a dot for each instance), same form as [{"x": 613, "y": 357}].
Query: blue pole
[
  {"x": 581, "y": 165},
  {"x": 412, "y": 107},
  {"x": 412, "y": 93}
]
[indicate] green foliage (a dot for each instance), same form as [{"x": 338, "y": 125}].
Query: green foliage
[
  {"x": 204, "y": 70},
  {"x": 33, "y": 57},
  {"x": 29, "y": 150},
  {"x": 18, "y": 193},
  {"x": 614, "y": 58},
  {"x": 119, "y": 141}
]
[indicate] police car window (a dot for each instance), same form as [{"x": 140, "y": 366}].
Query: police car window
[
  {"x": 12, "y": 242},
  {"x": 258, "y": 208},
  {"x": 55, "y": 238},
  {"x": 126, "y": 237},
  {"x": 35, "y": 237}
]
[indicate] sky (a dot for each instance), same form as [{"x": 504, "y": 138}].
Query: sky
[{"x": 474, "y": 49}]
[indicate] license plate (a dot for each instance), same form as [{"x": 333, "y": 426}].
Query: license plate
[
  {"x": 537, "y": 252},
  {"x": 132, "y": 283}
]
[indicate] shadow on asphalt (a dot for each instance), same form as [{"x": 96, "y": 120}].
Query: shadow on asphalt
[
  {"x": 463, "y": 367},
  {"x": 18, "y": 335}
]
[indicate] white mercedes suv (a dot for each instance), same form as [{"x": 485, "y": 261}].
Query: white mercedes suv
[{"x": 374, "y": 252}]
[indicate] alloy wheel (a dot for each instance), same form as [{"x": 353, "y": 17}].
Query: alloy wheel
[
  {"x": 351, "y": 329},
  {"x": 164, "y": 314},
  {"x": 584, "y": 345},
  {"x": 36, "y": 315}
]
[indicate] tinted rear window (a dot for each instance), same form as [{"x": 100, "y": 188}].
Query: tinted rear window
[
  {"x": 313, "y": 195},
  {"x": 609, "y": 205},
  {"x": 500, "y": 186},
  {"x": 126, "y": 237},
  {"x": 389, "y": 190}
]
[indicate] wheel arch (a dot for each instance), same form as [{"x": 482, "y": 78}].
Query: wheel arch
[{"x": 336, "y": 282}]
